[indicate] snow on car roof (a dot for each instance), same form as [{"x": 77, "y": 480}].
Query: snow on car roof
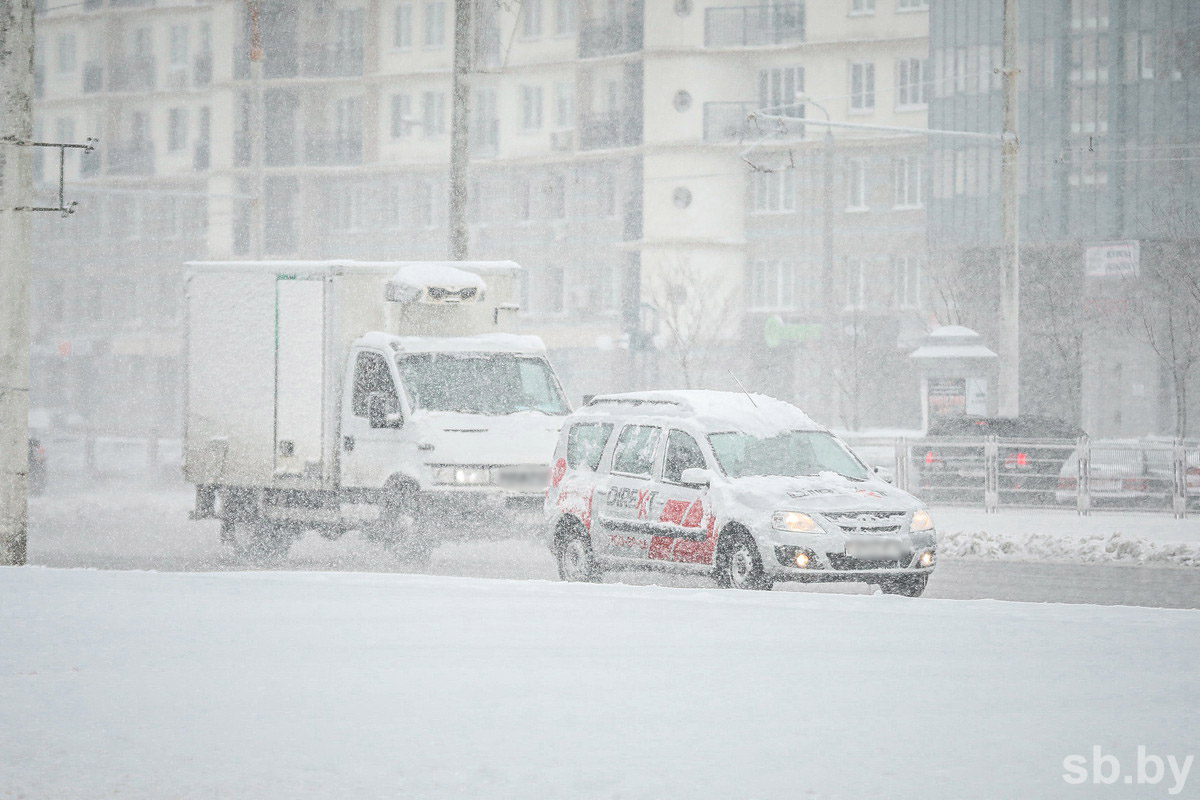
[
  {"x": 350, "y": 265},
  {"x": 481, "y": 343},
  {"x": 756, "y": 414}
]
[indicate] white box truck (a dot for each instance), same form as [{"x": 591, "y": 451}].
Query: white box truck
[{"x": 384, "y": 397}]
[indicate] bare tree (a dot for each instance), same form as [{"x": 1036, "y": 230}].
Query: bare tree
[{"x": 696, "y": 314}]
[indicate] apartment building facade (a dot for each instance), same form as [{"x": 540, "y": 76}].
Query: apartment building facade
[
  {"x": 1108, "y": 97},
  {"x": 666, "y": 237}
]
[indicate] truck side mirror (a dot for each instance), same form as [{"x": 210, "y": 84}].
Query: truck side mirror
[
  {"x": 383, "y": 410},
  {"x": 694, "y": 476}
]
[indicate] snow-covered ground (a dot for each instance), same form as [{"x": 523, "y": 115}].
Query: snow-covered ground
[
  {"x": 330, "y": 685},
  {"x": 1059, "y": 535}
]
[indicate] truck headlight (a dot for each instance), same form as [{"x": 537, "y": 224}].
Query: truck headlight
[
  {"x": 462, "y": 476},
  {"x": 922, "y": 521},
  {"x": 794, "y": 521}
]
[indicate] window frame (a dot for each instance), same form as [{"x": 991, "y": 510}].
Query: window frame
[
  {"x": 662, "y": 465},
  {"x": 608, "y": 435},
  {"x": 359, "y": 357},
  {"x": 863, "y": 100},
  {"x": 402, "y": 34},
  {"x": 612, "y": 460},
  {"x": 856, "y": 185}
]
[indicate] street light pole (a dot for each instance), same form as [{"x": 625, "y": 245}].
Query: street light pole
[{"x": 1010, "y": 270}]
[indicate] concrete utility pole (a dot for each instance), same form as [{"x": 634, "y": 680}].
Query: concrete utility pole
[
  {"x": 16, "y": 189},
  {"x": 460, "y": 118},
  {"x": 257, "y": 131},
  {"x": 1010, "y": 271}
]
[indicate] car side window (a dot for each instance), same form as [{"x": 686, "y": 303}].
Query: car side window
[
  {"x": 634, "y": 453},
  {"x": 371, "y": 374},
  {"x": 682, "y": 453},
  {"x": 585, "y": 445}
]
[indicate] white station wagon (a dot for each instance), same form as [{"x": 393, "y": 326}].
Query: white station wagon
[{"x": 743, "y": 487}]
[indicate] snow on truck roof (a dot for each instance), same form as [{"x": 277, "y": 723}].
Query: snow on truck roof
[
  {"x": 715, "y": 411},
  {"x": 481, "y": 343},
  {"x": 350, "y": 265}
]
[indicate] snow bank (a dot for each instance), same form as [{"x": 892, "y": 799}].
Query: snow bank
[
  {"x": 1056, "y": 535},
  {"x": 303, "y": 685}
]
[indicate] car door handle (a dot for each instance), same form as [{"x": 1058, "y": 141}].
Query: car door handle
[{"x": 348, "y": 444}]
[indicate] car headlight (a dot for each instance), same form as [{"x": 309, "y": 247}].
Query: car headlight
[
  {"x": 922, "y": 521},
  {"x": 794, "y": 521},
  {"x": 462, "y": 476}
]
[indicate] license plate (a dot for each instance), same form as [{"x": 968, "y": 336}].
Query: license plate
[{"x": 873, "y": 549}]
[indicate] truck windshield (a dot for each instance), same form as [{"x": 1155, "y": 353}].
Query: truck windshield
[
  {"x": 481, "y": 383},
  {"x": 793, "y": 453}
]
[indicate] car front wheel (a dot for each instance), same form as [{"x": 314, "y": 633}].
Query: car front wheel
[
  {"x": 576, "y": 561},
  {"x": 739, "y": 566}
]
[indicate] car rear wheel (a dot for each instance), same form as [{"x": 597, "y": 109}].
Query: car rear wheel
[
  {"x": 576, "y": 560},
  {"x": 908, "y": 586},
  {"x": 739, "y": 566}
]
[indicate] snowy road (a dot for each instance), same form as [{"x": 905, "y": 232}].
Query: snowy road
[{"x": 133, "y": 528}]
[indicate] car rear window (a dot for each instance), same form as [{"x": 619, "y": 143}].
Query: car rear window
[{"x": 585, "y": 444}]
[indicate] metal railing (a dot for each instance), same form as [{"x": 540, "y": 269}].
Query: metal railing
[
  {"x": 1086, "y": 475},
  {"x": 750, "y": 26}
]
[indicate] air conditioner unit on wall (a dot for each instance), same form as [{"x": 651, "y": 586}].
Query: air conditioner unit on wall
[{"x": 562, "y": 140}]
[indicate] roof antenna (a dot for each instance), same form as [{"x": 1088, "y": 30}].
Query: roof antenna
[{"x": 743, "y": 388}]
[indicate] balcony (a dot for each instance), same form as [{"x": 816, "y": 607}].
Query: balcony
[
  {"x": 134, "y": 157},
  {"x": 322, "y": 61},
  {"x": 93, "y": 78},
  {"x": 610, "y": 129},
  {"x": 609, "y": 38},
  {"x": 324, "y": 151},
  {"x": 134, "y": 75},
  {"x": 754, "y": 26}
]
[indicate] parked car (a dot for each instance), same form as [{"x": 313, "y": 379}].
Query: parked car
[
  {"x": 37, "y": 467},
  {"x": 742, "y": 487},
  {"x": 1031, "y": 453},
  {"x": 1129, "y": 474}
]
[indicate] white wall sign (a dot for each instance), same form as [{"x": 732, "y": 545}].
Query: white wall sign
[{"x": 1112, "y": 259}]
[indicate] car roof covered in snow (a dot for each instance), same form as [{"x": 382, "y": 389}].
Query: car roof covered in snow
[
  {"x": 324, "y": 267},
  {"x": 712, "y": 411}
]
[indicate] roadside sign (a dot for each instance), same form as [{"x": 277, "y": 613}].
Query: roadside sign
[{"x": 1112, "y": 259}]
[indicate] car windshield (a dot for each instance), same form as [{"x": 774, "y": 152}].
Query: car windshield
[
  {"x": 793, "y": 453},
  {"x": 481, "y": 383}
]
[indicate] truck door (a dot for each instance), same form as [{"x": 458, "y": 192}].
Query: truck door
[
  {"x": 628, "y": 507},
  {"x": 369, "y": 455},
  {"x": 687, "y": 533},
  {"x": 299, "y": 377}
]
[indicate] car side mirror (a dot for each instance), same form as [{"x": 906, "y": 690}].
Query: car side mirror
[
  {"x": 884, "y": 474},
  {"x": 694, "y": 476},
  {"x": 383, "y": 410}
]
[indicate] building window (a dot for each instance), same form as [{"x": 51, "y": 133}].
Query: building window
[
  {"x": 564, "y": 17},
  {"x": 66, "y": 52},
  {"x": 424, "y": 203},
  {"x": 912, "y": 82},
  {"x": 906, "y": 277},
  {"x": 862, "y": 86},
  {"x": 912, "y": 5},
  {"x": 433, "y": 113},
  {"x": 773, "y": 192},
  {"x": 1089, "y": 15},
  {"x": 177, "y": 129},
  {"x": 179, "y": 45},
  {"x": 564, "y": 105},
  {"x": 907, "y": 171},
  {"x": 861, "y": 7},
  {"x": 401, "y": 115},
  {"x": 65, "y": 129},
  {"x": 531, "y": 108},
  {"x": 856, "y": 184},
  {"x": 524, "y": 207},
  {"x": 402, "y": 26},
  {"x": 531, "y": 18},
  {"x": 777, "y": 90},
  {"x": 856, "y": 282},
  {"x": 772, "y": 285},
  {"x": 435, "y": 24},
  {"x": 346, "y": 209},
  {"x": 554, "y": 196}
]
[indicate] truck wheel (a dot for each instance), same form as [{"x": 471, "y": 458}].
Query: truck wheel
[
  {"x": 913, "y": 586},
  {"x": 739, "y": 565},
  {"x": 402, "y": 531},
  {"x": 258, "y": 541},
  {"x": 576, "y": 560}
]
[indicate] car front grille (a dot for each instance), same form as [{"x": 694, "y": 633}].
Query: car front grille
[
  {"x": 870, "y": 522},
  {"x": 841, "y": 561}
]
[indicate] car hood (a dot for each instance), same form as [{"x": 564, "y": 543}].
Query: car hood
[
  {"x": 526, "y": 437},
  {"x": 822, "y": 493}
]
